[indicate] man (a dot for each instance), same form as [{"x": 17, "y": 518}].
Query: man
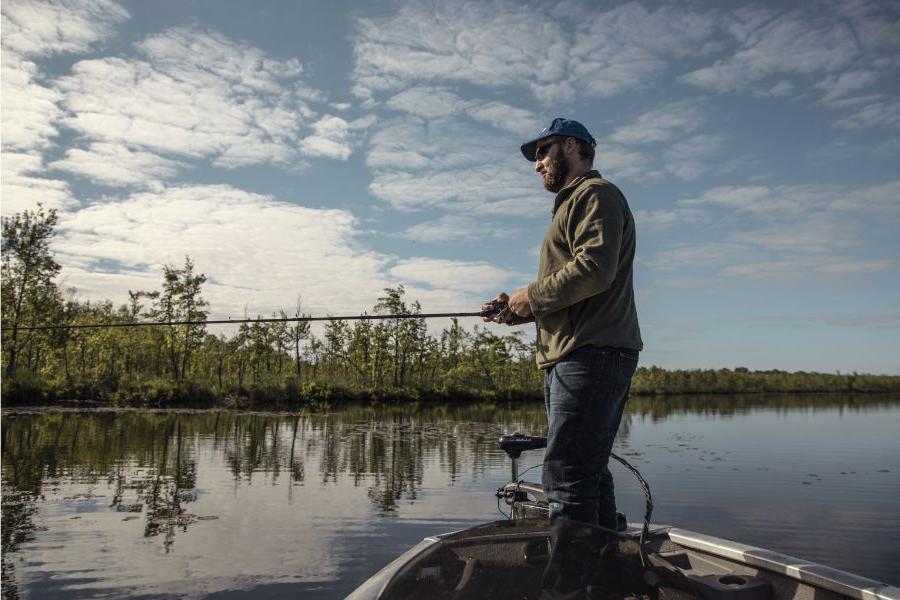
[{"x": 588, "y": 337}]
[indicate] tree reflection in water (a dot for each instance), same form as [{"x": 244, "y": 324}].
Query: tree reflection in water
[{"x": 149, "y": 460}]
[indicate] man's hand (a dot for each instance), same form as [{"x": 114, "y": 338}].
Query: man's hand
[
  {"x": 518, "y": 309},
  {"x": 520, "y": 305}
]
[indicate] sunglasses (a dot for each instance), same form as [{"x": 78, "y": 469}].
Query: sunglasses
[{"x": 541, "y": 152}]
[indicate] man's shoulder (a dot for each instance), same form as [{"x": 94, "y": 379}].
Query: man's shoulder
[
  {"x": 598, "y": 184},
  {"x": 596, "y": 187}
]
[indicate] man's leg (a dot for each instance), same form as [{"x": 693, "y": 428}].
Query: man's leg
[{"x": 585, "y": 394}]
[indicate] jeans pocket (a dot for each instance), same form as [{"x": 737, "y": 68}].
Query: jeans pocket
[{"x": 629, "y": 354}]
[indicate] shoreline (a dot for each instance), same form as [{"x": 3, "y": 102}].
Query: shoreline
[{"x": 393, "y": 399}]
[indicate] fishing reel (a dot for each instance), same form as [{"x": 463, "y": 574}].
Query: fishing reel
[{"x": 494, "y": 310}]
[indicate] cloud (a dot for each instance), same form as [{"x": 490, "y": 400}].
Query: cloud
[
  {"x": 872, "y": 112},
  {"x": 21, "y": 188},
  {"x": 455, "y": 228},
  {"x": 118, "y": 165},
  {"x": 220, "y": 227},
  {"x": 795, "y": 42},
  {"x": 778, "y": 201},
  {"x": 845, "y": 49},
  {"x": 879, "y": 201},
  {"x": 662, "y": 218},
  {"x": 199, "y": 95},
  {"x": 858, "y": 266},
  {"x": 628, "y": 46},
  {"x": 842, "y": 84},
  {"x": 107, "y": 249},
  {"x": 619, "y": 162},
  {"x": 660, "y": 124},
  {"x": 791, "y": 268},
  {"x": 786, "y": 231},
  {"x": 30, "y": 110},
  {"x": 772, "y": 270},
  {"x": 430, "y": 102},
  {"x": 465, "y": 277},
  {"x": 34, "y": 28},
  {"x": 333, "y": 137},
  {"x": 454, "y": 164},
  {"x": 823, "y": 233},
  {"x": 532, "y": 45},
  {"x": 692, "y": 256},
  {"x": 486, "y": 43},
  {"x": 506, "y": 117},
  {"x": 427, "y": 101},
  {"x": 690, "y": 158}
]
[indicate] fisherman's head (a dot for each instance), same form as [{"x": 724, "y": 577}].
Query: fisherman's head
[{"x": 562, "y": 148}]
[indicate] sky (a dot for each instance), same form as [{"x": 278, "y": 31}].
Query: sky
[{"x": 329, "y": 150}]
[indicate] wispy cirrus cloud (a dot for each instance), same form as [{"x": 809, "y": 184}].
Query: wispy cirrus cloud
[
  {"x": 694, "y": 256},
  {"x": 794, "y": 200},
  {"x": 429, "y": 102},
  {"x": 769, "y": 43},
  {"x": 466, "y": 277},
  {"x": 787, "y": 269},
  {"x": 847, "y": 51},
  {"x": 534, "y": 46},
  {"x": 628, "y": 46},
  {"x": 856, "y": 266},
  {"x": 455, "y": 228},
  {"x": 824, "y": 233},
  {"x": 457, "y": 42},
  {"x": 455, "y": 164},
  {"x": 660, "y": 124},
  {"x": 788, "y": 231},
  {"x": 693, "y": 156},
  {"x": 672, "y": 133}
]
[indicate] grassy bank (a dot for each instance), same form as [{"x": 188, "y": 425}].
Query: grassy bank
[{"x": 289, "y": 393}]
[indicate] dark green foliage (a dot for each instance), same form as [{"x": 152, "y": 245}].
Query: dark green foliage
[
  {"x": 29, "y": 295},
  {"x": 283, "y": 364}
]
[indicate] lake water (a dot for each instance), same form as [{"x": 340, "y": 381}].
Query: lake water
[{"x": 261, "y": 505}]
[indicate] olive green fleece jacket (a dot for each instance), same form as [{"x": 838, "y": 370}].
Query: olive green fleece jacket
[{"x": 584, "y": 294}]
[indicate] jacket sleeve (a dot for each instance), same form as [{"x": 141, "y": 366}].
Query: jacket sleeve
[{"x": 593, "y": 230}]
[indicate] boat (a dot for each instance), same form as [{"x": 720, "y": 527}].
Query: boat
[{"x": 515, "y": 559}]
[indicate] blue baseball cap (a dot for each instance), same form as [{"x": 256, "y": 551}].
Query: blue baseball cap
[{"x": 559, "y": 126}]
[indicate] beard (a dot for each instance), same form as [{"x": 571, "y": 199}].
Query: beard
[{"x": 556, "y": 173}]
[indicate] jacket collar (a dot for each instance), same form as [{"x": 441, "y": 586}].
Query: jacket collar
[{"x": 564, "y": 193}]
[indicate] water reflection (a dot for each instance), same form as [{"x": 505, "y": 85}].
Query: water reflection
[{"x": 169, "y": 470}]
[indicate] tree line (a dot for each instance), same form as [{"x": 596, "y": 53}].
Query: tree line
[{"x": 280, "y": 362}]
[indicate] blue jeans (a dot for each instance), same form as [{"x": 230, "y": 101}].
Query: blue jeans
[{"x": 585, "y": 395}]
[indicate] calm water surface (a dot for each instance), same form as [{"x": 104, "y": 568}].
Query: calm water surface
[{"x": 241, "y": 505}]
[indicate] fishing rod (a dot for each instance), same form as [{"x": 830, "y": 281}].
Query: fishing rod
[{"x": 492, "y": 313}]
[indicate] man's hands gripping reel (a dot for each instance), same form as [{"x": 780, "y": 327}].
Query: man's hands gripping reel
[
  {"x": 506, "y": 310},
  {"x": 491, "y": 311}
]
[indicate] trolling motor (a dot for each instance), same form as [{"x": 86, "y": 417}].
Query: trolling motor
[
  {"x": 516, "y": 492},
  {"x": 525, "y": 499},
  {"x": 517, "y": 443}
]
